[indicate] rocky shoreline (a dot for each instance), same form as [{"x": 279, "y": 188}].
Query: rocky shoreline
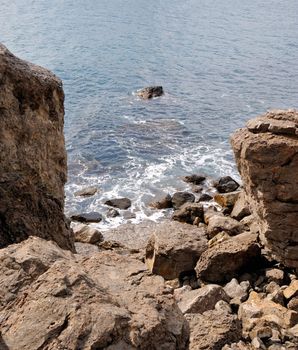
[{"x": 216, "y": 276}]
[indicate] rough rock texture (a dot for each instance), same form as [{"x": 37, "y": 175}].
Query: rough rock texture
[
  {"x": 224, "y": 260},
  {"x": 218, "y": 223},
  {"x": 86, "y": 234},
  {"x": 174, "y": 248},
  {"x": 150, "y": 92},
  {"x": 32, "y": 153},
  {"x": 190, "y": 213},
  {"x": 266, "y": 152},
  {"x": 212, "y": 330},
  {"x": 179, "y": 198},
  {"x": 120, "y": 203},
  {"x": 56, "y": 300}
]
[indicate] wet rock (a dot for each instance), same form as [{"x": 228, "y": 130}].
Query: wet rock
[
  {"x": 86, "y": 234},
  {"x": 205, "y": 197},
  {"x": 179, "y": 198},
  {"x": 112, "y": 213},
  {"x": 202, "y": 299},
  {"x": 218, "y": 223},
  {"x": 174, "y": 248},
  {"x": 101, "y": 301},
  {"x": 227, "y": 199},
  {"x": 194, "y": 179},
  {"x": 150, "y": 92},
  {"x": 258, "y": 312},
  {"x": 164, "y": 203},
  {"x": 120, "y": 203},
  {"x": 267, "y": 159},
  {"x": 223, "y": 261},
  {"x": 226, "y": 184},
  {"x": 87, "y": 217},
  {"x": 240, "y": 208},
  {"x": 86, "y": 192},
  {"x": 189, "y": 213},
  {"x": 32, "y": 154},
  {"x": 212, "y": 330}
]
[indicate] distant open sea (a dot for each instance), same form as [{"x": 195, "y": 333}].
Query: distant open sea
[{"x": 220, "y": 62}]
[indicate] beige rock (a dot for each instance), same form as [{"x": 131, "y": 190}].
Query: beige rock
[
  {"x": 32, "y": 153},
  {"x": 220, "y": 237},
  {"x": 223, "y": 261},
  {"x": 86, "y": 234},
  {"x": 267, "y": 159},
  {"x": 226, "y": 224},
  {"x": 292, "y": 290},
  {"x": 293, "y": 304},
  {"x": 202, "y": 299},
  {"x": 190, "y": 213},
  {"x": 174, "y": 248},
  {"x": 86, "y": 248},
  {"x": 227, "y": 199},
  {"x": 275, "y": 275},
  {"x": 65, "y": 301},
  {"x": 212, "y": 330},
  {"x": 258, "y": 311},
  {"x": 240, "y": 208}
]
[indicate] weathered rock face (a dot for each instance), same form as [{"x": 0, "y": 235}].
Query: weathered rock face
[
  {"x": 266, "y": 152},
  {"x": 57, "y": 300},
  {"x": 32, "y": 153}
]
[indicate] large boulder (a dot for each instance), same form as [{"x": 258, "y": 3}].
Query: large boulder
[
  {"x": 174, "y": 248},
  {"x": 32, "y": 154},
  {"x": 57, "y": 300},
  {"x": 224, "y": 260},
  {"x": 267, "y": 159}
]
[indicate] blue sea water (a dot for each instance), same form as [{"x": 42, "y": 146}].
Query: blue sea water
[{"x": 220, "y": 63}]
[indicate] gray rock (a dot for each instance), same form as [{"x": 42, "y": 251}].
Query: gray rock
[
  {"x": 205, "y": 197},
  {"x": 189, "y": 213},
  {"x": 194, "y": 179},
  {"x": 120, "y": 203},
  {"x": 236, "y": 292},
  {"x": 112, "y": 213},
  {"x": 87, "y": 217},
  {"x": 150, "y": 92},
  {"x": 86, "y": 192},
  {"x": 179, "y": 198},
  {"x": 86, "y": 249},
  {"x": 226, "y": 184}
]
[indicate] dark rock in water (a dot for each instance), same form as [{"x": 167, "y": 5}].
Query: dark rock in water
[
  {"x": 179, "y": 198},
  {"x": 87, "y": 217},
  {"x": 112, "y": 213},
  {"x": 194, "y": 179},
  {"x": 88, "y": 191},
  {"x": 129, "y": 215},
  {"x": 189, "y": 213},
  {"x": 226, "y": 184},
  {"x": 120, "y": 203},
  {"x": 32, "y": 154},
  {"x": 205, "y": 197},
  {"x": 150, "y": 92},
  {"x": 163, "y": 203}
]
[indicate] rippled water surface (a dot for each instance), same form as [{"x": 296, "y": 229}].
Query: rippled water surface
[{"x": 220, "y": 63}]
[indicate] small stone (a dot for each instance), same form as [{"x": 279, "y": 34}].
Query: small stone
[
  {"x": 87, "y": 217},
  {"x": 205, "y": 197},
  {"x": 179, "y": 198},
  {"x": 275, "y": 275},
  {"x": 197, "y": 189},
  {"x": 164, "y": 203},
  {"x": 293, "y": 304},
  {"x": 223, "y": 306},
  {"x": 258, "y": 344},
  {"x": 220, "y": 237},
  {"x": 194, "y": 179},
  {"x": 86, "y": 248},
  {"x": 226, "y": 184},
  {"x": 292, "y": 290},
  {"x": 227, "y": 199},
  {"x": 120, "y": 203},
  {"x": 272, "y": 287},
  {"x": 235, "y": 291},
  {"x": 112, "y": 213},
  {"x": 262, "y": 332},
  {"x": 86, "y": 192}
]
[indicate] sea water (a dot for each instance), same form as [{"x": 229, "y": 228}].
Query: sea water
[{"x": 219, "y": 62}]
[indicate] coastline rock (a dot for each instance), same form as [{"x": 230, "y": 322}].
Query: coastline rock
[
  {"x": 218, "y": 223},
  {"x": 150, "y": 92},
  {"x": 226, "y": 184},
  {"x": 205, "y": 197},
  {"x": 203, "y": 299},
  {"x": 174, "y": 248},
  {"x": 32, "y": 152},
  {"x": 212, "y": 330},
  {"x": 179, "y": 198},
  {"x": 86, "y": 248},
  {"x": 120, "y": 203},
  {"x": 189, "y": 213},
  {"x": 86, "y": 192},
  {"x": 224, "y": 260},
  {"x": 112, "y": 213},
  {"x": 227, "y": 199},
  {"x": 240, "y": 208},
  {"x": 87, "y": 217},
  {"x": 164, "y": 203},
  {"x": 86, "y": 234},
  {"x": 194, "y": 179},
  {"x": 267, "y": 159},
  {"x": 102, "y": 301}
]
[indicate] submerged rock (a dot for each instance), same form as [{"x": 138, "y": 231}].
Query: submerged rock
[
  {"x": 267, "y": 159},
  {"x": 86, "y": 192},
  {"x": 120, "y": 203},
  {"x": 150, "y": 92},
  {"x": 32, "y": 154}
]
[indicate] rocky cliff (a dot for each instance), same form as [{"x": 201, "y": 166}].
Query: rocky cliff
[
  {"x": 32, "y": 153},
  {"x": 266, "y": 152}
]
